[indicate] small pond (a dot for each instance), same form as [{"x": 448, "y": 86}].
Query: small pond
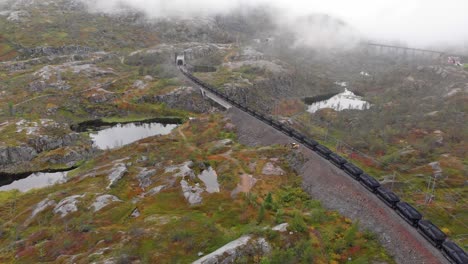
[
  {"x": 341, "y": 101},
  {"x": 34, "y": 181},
  {"x": 123, "y": 134}
]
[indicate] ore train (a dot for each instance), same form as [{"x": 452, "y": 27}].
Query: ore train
[{"x": 426, "y": 228}]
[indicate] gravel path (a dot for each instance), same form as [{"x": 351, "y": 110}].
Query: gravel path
[{"x": 338, "y": 191}]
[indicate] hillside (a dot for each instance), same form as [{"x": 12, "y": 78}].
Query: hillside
[{"x": 68, "y": 74}]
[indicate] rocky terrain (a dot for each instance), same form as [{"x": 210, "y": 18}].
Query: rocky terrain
[{"x": 208, "y": 192}]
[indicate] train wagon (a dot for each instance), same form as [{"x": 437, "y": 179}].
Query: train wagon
[
  {"x": 287, "y": 130},
  {"x": 276, "y": 124},
  {"x": 408, "y": 213},
  {"x": 337, "y": 160},
  {"x": 454, "y": 253},
  {"x": 432, "y": 233},
  {"x": 323, "y": 151},
  {"x": 369, "y": 182},
  {"x": 310, "y": 143},
  {"x": 388, "y": 197},
  {"x": 298, "y": 136},
  {"x": 352, "y": 170}
]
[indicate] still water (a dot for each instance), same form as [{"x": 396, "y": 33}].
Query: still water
[
  {"x": 120, "y": 135},
  {"x": 36, "y": 180},
  {"x": 341, "y": 101}
]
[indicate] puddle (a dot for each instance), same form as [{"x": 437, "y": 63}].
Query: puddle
[
  {"x": 341, "y": 101},
  {"x": 210, "y": 179},
  {"x": 35, "y": 181},
  {"x": 123, "y": 134}
]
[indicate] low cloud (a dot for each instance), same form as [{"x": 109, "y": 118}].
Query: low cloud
[{"x": 419, "y": 23}]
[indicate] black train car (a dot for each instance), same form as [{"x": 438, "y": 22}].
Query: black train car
[
  {"x": 432, "y": 233},
  {"x": 287, "y": 130},
  {"x": 337, "y": 160},
  {"x": 388, "y": 197},
  {"x": 269, "y": 120},
  {"x": 276, "y": 124},
  {"x": 310, "y": 143},
  {"x": 352, "y": 170},
  {"x": 454, "y": 253},
  {"x": 369, "y": 182},
  {"x": 323, "y": 151},
  {"x": 409, "y": 213},
  {"x": 298, "y": 136}
]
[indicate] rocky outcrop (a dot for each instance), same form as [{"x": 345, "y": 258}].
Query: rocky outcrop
[
  {"x": 116, "y": 174},
  {"x": 103, "y": 201},
  {"x": 183, "y": 170},
  {"x": 41, "y": 206},
  {"x": 191, "y": 193},
  {"x": 281, "y": 227},
  {"x": 144, "y": 177},
  {"x": 237, "y": 249},
  {"x": 11, "y": 155},
  {"x": 271, "y": 169},
  {"x": 56, "y": 51},
  {"x": 187, "y": 98},
  {"x": 67, "y": 205},
  {"x": 71, "y": 148},
  {"x": 46, "y": 143}
]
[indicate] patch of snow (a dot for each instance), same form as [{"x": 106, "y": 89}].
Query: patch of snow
[
  {"x": 67, "y": 205},
  {"x": 117, "y": 173},
  {"x": 104, "y": 200}
]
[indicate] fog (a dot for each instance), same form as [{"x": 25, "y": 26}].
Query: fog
[{"x": 417, "y": 23}]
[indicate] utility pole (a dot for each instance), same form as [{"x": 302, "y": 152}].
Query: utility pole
[
  {"x": 393, "y": 180},
  {"x": 437, "y": 173},
  {"x": 430, "y": 189}
]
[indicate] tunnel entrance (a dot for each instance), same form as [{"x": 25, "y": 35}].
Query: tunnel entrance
[{"x": 180, "y": 60}]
